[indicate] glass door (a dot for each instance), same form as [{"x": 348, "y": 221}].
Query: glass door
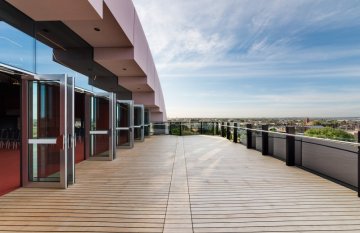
[
  {"x": 101, "y": 127},
  {"x": 48, "y": 134},
  {"x": 147, "y": 123},
  {"x": 124, "y": 124},
  {"x": 139, "y": 122}
]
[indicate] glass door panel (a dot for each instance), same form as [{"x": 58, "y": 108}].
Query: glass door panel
[
  {"x": 147, "y": 123},
  {"x": 101, "y": 146},
  {"x": 124, "y": 124},
  {"x": 139, "y": 122},
  {"x": 48, "y": 136},
  {"x": 44, "y": 129}
]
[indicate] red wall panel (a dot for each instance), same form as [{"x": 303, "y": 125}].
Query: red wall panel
[{"x": 9, "y": 170}]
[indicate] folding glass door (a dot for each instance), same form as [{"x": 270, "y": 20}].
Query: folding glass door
[
  {"x": 48, "y": 132},
  {"x": 124, "y": 124},
  {"x": 101, "y": 126},
  {"x": 139, "y": 122},
  {"x": 147, "y": 123}
]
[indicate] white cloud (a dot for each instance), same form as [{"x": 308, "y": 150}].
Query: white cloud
[
  {"x": 179, "y": 30},
  {"x": 206, "y": 30},
  {"x": 234, "y": 39}
]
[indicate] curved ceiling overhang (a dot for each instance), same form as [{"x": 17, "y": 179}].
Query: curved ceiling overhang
[
  {"x": 113, "y": 29},
  {"x": 55, "y": 10}
]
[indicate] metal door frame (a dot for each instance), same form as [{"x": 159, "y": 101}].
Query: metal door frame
[
  {"x": 65, "y": 138},
  {"x": 110, "y": 131},
  {"x": 141, "y": 126},
  {"x": 147, "y": 124},
  {"x": 131, "y": 127}
]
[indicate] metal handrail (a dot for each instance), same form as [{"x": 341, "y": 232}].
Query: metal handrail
[{"x": 355, "y": 144}]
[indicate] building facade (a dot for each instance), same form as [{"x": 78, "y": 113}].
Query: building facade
[{"x": 77, "y": 81}]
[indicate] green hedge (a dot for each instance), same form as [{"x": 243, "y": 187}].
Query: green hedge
[{"x": 330, "y": 133}]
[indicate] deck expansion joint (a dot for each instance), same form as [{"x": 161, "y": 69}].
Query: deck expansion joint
[{"x": 172, "y": 173}]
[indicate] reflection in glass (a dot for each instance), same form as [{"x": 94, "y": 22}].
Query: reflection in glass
[
  {"x": 122, "y": 115},
  {"x": 123, "y": 121},
  {"x": 122, "y": 138},
  {"x": 46, "y": 64},
  {"x": 16, "y": 48},
  {"x": 44, "y": 163},
  {"x": 44, "y": 109},
  {"x": 99, "y": 113},
  {"x": 138, "y": 123},
  {"x": 44, "y": 123},
  {"x": 79, "y": 127},
  {"x": 137, "y": 116},
  {"x": 99, "y": 144},
  {"x": 147, "y": 122}
]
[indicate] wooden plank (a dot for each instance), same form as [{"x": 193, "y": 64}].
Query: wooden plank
[{"x": 185, "y": 184}]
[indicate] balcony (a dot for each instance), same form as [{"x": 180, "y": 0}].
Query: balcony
[{"x": 195, "y": 183}]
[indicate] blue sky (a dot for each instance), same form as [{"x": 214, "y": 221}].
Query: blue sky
[{"x": 256, "y": 58}]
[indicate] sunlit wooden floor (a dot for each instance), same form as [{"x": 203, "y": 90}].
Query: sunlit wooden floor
[{"x": 185, "y": 184}]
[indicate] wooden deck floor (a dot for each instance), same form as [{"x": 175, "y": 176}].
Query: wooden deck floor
[{"x": 185, "y": 184}]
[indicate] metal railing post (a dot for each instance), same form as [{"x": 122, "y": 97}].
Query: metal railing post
[
  {"x": 215, "y": 131},
  {"x": 248, "y": 136},
  {"x": 235, "y": 132},
  {"x": 290, "y": 146},
  {"x": 223, "y": 134},
  {"x": 265, "y": 140},
  {"x": 228, "y": 130},
  {"x": 201, "y": 128}
]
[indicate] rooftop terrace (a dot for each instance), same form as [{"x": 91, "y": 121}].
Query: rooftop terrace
[{"x": 185, "y": 184}]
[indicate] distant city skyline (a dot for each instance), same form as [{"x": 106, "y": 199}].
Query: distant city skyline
[{"x": 256, "y": 58}]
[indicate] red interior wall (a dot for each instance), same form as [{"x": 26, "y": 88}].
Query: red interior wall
[
  {"x": 101, "y": 142},
  {"x": 80, "y": 115},
  {"x": 124, "y": 121},
  {"x": 9, "y": 158},
  {"x": 102, "y": 122},
  {"x": 9, "y": 170},
  {"x": 48, "y": 161},
  {"x": 122, "y": 138},
  {"x": 79, "y": 151},
  {"x": 48, "y": 127}
]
